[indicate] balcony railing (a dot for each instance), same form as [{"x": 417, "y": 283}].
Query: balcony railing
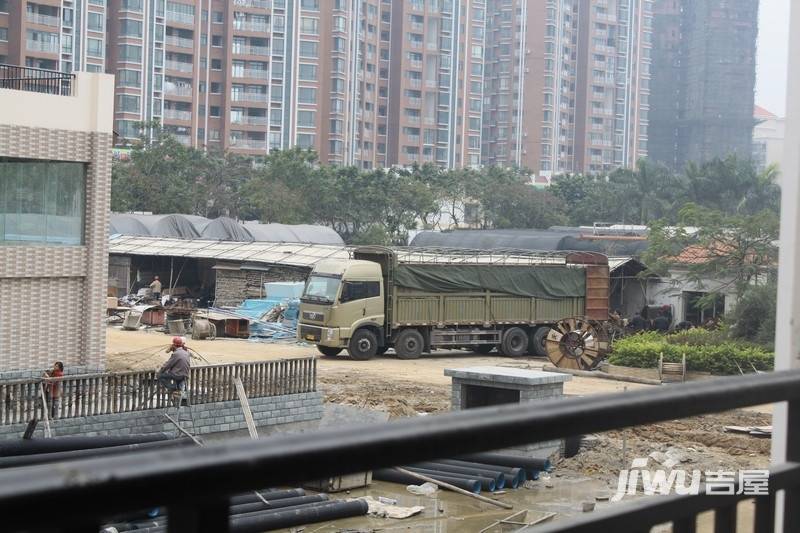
[
  {"x": 113, "y": 485},
  {"x": 42, "y": 46},
  {"x": 249, "y": 144},
  {"x": 249, "y": 97},
  {"x": 251, "y": 50},
  {"x": 45, "y": 20},
  {"x": 180, "y": 66},
  {"x": 177, "y": 114},
  {"x": 182, "y": 42},
  {"x": 249, "y": 25},
  {"x": 36, "y": 80},
  {"x": 183, "y": 18},
  {"x": 251, "y": 120},
  {"x": 180, "y": 90},
  {"x": 260, "y": 74},
  {"x": 260, "y": 4}
]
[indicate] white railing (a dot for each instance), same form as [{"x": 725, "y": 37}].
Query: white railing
[
  {"x": 45, "y": 20},
  {"x": 251, "y": 50},
  {"x": 180, "y": 66},
  {"x": 250, "y": 120},
  {"x": 261, "y": 4},
  {"x": 182, "y": 42},
  {"x": 249, "y": 25},
  {"x": 177, "y": 114},
  {"x": 42, "y": 46},
  {"x": 252, "y": 73},
  {"x": 183, "y": 18},
  {"x": 249, "y": 97},
  {"x": 249, "y": 144}
]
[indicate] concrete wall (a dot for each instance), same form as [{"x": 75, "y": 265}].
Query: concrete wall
[
  {"x": 207, "y": 418},
  {"x": 52, "y": 298}
]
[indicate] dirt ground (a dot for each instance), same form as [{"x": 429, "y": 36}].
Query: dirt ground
[{"x": 408, "y": 388}]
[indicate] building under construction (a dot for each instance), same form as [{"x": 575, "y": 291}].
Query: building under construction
[{"x": 703, "y": 80}]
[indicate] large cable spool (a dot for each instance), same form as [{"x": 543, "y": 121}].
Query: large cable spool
[{"x": 577, "y": 343}]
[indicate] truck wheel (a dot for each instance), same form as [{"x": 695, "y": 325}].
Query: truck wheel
[
  {"x": 538, "y": 346},
  {"x": 482, "y": 349},
  {"x": 409, "y": 344},
  {"x": 328, "y": 351},
  {"x": 363, "y": 345},
  {"x": 515, "y": 342}
]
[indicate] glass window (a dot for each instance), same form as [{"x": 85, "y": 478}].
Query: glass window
[
  {"x": 305, "y": 140},
  {"x": 305, "y": 119},
  {"x": 129, "y": 78},
  {"x": 130, "y": 28},
  {"x": 359, "y": 290},
  {"x": 128, "y": 103},
  {"x": 95, "y": 21},
  {"x": 129, "y": 52},
  {"x": 132, "y": 5},
  {"x": 309, "y": 25},
  {"x": 94, "y": 47},
  {"x": 306, "y": 95},
  {"x": 41, "y": 202},
  {"x": 309, "y": 49},
  {"x": 308, "y": 72}
]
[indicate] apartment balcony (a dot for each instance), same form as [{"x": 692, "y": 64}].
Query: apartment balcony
[
  {"x": 180, "y": 66},
  {"x": 36, "y": 80},
  {"x": 415, "y": 102},
  {"x": 258, "y": 74},
  {"x": 178, "y": 91},
  {"x": 432, "y": 47},
  {"x": 417, "y": 26},
  {"x": 181, "y": 42},
  {"x": 42, "y": 46},
  {"x": 415, "y": 83},
  {"x": 177, "y": 114},
  {"x": 250, "y": 120},
  {"x": 608, "y": 18},
  {"x": 181, "y": 18},
  {"x": 44, "y": 20},
  {"x": 249, "y": 144},
  {"x": 250, "y": 97},
  {"x": 246, "y": 50},
  {"x": 417, "y": 45},
  {"x": 413, "y": 139},
  {"x": 413, "y": 120},
  {"x": 258, "y": 4},
  {"x": 430, "y": 84},
  {"x": 429, "y": 121},
  {"x": 249, "y": 25}
]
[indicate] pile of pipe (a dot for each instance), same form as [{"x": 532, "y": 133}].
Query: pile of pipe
[
  {"x": 249, "y": 513},
  {"x": 475, "y": 472}
]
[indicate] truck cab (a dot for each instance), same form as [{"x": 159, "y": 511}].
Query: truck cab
[{"x": 342, "y": 306}]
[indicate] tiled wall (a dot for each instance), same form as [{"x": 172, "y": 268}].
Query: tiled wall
[{"x": 52, "y": 298}]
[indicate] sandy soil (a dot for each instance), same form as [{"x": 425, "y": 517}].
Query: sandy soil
[{"x": 407, "y": 388}]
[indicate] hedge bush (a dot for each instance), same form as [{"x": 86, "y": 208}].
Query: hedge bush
[{"x": 719, "y": 356}]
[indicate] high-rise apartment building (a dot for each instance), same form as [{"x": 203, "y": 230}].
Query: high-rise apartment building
[
  {"x": 567, "y": 85},
  {"x": 63, "y": 35},
  {"x": 703, "y": 80},
  {"x": 436, "y": 82}
]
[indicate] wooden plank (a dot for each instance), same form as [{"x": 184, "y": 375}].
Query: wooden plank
[{"x": 248, "y": 414}]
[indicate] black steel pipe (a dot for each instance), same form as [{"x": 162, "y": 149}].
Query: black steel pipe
[
  {"x": 487, "y": 483},
  {"x": 499, "y": 477},
  {"x": 39, "y": 458},
  {"x": 269, "y": 495},
  {"x": 519, "y": 473},
  {"x": 277, "y": 504},
  {"x": 393, "y": 476},
  {"x": 285, "y": 518},
  {"x": 64, "y": 444},
  {"x": 528, "y": 463},
  {"x": 112, "y": 485}
]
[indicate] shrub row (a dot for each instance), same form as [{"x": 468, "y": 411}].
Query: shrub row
[{"x": 719, "y": 357}]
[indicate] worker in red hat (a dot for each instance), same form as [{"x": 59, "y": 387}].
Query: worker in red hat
[{"x": 175, "y": 371}]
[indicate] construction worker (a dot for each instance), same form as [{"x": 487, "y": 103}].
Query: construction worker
[
  {"x": 53, "y": 389},
  {"x": 156, "y": 288},
  {"x": 175, "y": 371}
]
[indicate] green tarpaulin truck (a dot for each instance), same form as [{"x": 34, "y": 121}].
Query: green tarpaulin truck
[{"x": 415, "y": 300}]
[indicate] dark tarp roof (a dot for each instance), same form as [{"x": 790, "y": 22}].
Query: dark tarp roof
[
  {"x": 192, "y": 227},
  {"x": 560, "y": 239}
]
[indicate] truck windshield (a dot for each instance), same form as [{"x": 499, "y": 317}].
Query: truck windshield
[{"x": 321, "y": 289}]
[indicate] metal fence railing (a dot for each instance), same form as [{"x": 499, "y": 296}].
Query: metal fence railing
[
  {"x": 99, "y": 394},
  {"x": 207, "y": 477},
  {"x": 36, "y": 80}
]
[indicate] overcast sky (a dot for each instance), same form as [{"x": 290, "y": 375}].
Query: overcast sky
[{"x": 773, "y": 55}]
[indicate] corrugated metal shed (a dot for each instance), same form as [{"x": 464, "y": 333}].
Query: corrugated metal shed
[{"x": 297, "y": 255}]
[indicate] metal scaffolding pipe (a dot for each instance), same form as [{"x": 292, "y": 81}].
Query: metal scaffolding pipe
[{"x": 393, "y": 476}]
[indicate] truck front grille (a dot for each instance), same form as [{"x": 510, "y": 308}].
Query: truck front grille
[{"x": 308, "y": 333}]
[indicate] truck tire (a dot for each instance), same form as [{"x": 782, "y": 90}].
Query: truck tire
[
  {"x": 515, "y": 342},
  {"x": 482, "y": 349},
  {"x": 363, "y": 345},
  {"x": 538, "y": 347},
  {"x": 328, "y": 351},
  {"x": 409, "y": 344}
]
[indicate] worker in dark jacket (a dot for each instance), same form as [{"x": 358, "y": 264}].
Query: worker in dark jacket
[{"x": 176, "y": 369}]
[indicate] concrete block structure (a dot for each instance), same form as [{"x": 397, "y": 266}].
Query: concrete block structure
[
  {"x": 484, "y": 386},
  {"x": 55, "y": 177}
]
